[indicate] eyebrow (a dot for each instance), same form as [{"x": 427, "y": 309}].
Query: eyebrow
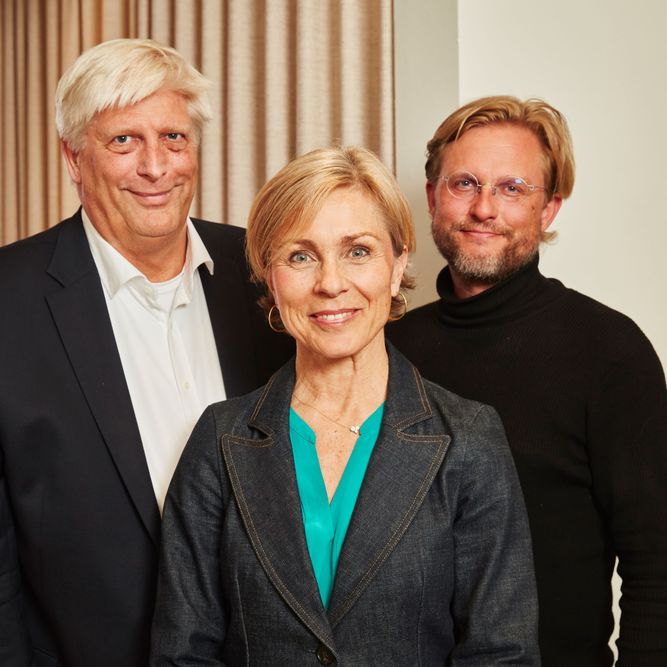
[
  {"x": 345, "y": 240},
  {"x": 119, "y": 129}
]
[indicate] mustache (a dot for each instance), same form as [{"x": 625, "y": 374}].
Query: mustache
[{"x": 493, "y": 227}]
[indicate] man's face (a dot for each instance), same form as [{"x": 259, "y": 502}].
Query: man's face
[
  {"x": 136, "y": 173},
  {"x": 486, "y": 239}
]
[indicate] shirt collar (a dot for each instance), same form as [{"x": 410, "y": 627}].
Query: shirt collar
[{"x": 116, "y": 271}]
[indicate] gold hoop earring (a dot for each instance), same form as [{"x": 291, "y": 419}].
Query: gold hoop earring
[
  {"x": 269, "y": 317},
  {"x": 405, "y": 308}
]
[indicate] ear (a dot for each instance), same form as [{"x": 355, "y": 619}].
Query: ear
[
  {"x": 430, "y": 197},
  {"x": 550, "y": 211},
  {"x": 71, "y": 162},
  {"x": 400, "y": 264}
]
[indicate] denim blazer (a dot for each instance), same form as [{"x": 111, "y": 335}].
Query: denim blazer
[{"x": 436, "y": 567}]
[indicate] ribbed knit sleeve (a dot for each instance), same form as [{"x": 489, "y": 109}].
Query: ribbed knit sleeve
[{"x": 627, "y": 443}]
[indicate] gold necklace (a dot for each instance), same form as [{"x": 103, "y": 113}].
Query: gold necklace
[{"x": 354, "y": 428}]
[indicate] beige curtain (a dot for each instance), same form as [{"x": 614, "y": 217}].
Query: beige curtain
[{"x": 287, "y": 75}]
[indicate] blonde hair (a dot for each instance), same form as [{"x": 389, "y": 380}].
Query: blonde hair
[
  {"x": 294, "y": 196},
  {"x": 121, "y": 72},
  {"x": 543, "y": 120}
]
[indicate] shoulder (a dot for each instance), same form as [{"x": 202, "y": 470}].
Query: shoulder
[
  {"x": 26, "y": 263},
  {"x": 415, "y": 318},
  {"x": 15, "y": 255},
  {"x": 247, "y": 416},
  {"x": 463, "y": 417},
  {"x": 229, "y": 417},
  {"x": 225, "y": 243},
  {"x": 449, "y": 412},
  {"x": 478, "y": 451},
  {"x": 217, "y": 232},
  {"x": 233, "y": 415},
  {"x": 604, "y": 332},
  {"x": 597, "y": 313}
]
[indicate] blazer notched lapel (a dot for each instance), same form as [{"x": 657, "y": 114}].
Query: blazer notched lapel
[
  {"x": 82, "y": 319},
  {"x": 263, "y": 479},
  {"x": 399, "y": 475}
]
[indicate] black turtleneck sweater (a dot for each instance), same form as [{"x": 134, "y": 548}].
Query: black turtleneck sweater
[{"x": 582, "y": 395}]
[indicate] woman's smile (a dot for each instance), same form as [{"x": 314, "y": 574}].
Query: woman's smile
[{"x": 334, "y": 316}]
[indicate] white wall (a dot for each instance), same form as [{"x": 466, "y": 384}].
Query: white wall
[{"x": 426, "y": 89}]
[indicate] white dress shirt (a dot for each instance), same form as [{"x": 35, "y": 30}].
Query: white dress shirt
[{"x": 166, "y": 345}]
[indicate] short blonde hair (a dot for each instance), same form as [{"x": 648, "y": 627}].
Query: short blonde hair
[
  {"x": 294, "y": 196},
  {"x": 121, "y": 72},
  {"x": 543, "y": 120}
]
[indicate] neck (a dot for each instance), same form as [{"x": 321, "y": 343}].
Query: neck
[
  {"x": 464, "y": 289},
  {"x": 358, "y": 382},
  {"x": 158, "y": 261},
  {"x": 160, "y": 258}
]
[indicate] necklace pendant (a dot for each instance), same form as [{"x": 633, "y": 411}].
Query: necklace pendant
[{"x": 355, "y": 429}]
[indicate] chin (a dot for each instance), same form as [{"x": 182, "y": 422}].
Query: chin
[{"x": 163, "y": 226}]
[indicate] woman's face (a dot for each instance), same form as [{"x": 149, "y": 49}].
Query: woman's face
[{"x": 333, "y": 281}]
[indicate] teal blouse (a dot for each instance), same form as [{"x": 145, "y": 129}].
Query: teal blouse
[{"x": 326, "y": 524}]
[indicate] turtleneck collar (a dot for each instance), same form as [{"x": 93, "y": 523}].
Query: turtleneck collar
[{"x": 523, "y": 292}]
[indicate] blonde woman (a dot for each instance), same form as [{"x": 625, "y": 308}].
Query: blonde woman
[{"x": 348, "y": 512}]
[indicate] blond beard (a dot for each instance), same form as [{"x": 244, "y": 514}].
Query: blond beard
[{"x": 488, "y": 268}]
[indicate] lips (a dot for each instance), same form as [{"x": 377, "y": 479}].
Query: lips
[
  {"x": 482, "y": 233},
  {"x": 152, "y": 198},
  {"x": 333, "y": 316},
  {"x": 487, "y": 231}
]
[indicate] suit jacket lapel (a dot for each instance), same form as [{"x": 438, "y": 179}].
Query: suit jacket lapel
[
  {"x": 228, "y": 302},
  {"x": 82, "y": 319},
  {"x": 225, "y": 296},
  {"x": 399, "y": 474},
  {"x": 264, "y": 482}
]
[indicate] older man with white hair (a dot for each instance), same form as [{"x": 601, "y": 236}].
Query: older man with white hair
[{"x": 121, "y": 324}]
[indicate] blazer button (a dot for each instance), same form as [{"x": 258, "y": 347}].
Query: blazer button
[{"x": 324, "y": 655}]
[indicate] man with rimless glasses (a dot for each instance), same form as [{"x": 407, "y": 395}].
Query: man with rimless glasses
[{"x": 579, "y": 388}]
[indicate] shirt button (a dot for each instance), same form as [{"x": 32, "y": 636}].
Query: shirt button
[
  {"x": 324, "y": 655},
  {"x": 186, "y": 385}
]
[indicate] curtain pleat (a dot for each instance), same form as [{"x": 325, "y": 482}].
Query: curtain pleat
[{"x": 287, "y": 76}]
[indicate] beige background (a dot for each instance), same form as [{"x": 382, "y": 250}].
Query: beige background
[{"x": 286, "y": 77}]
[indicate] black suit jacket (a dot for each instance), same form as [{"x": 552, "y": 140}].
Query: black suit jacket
[{"x": 79, "y": 523}]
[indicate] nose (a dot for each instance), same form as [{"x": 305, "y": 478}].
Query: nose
[
  {"x": 152, "y": 162},
  {"x": 331, "y": 279},
  {"x": 484, "y": 205}
]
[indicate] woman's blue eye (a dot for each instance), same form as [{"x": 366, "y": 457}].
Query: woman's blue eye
[
  {"x": 298, "y": 257},
  {"x": 358, "y": 252}
]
